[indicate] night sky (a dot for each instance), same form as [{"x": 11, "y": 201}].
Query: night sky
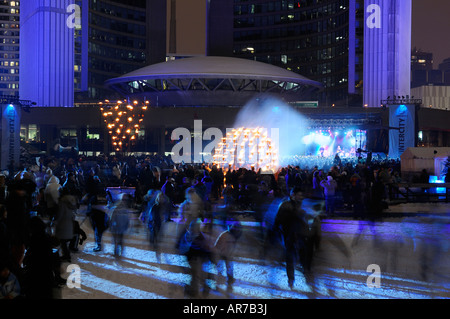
[{"x": 431, "y": 28}]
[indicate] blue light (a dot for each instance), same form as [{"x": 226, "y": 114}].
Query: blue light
[
  {"x": 436, "y": 190},
  {"x": 402, "y": 109},
  {"x": 10, "y": 106}
]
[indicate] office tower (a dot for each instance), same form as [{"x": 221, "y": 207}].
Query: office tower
[
  {"x": 387, "y": 50},
  {"x": 347, "y": 45},
  {"x": 46, "y": 53},
  {"x": 115, "y": 38},
  {"x": 9, "y": 47}
]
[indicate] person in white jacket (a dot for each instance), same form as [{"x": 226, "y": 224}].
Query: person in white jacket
[
  {"x": 329, "y": 186},
  {"x": 51, "y": 196}
]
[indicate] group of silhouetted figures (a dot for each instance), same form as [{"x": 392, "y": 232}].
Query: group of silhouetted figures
[{"x": 38, "y": 226}]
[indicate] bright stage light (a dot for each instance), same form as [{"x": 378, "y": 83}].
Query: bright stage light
[{"x": 329, "y": 143}]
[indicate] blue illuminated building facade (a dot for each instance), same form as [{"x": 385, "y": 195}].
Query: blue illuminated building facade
[
  {"x": 46, "y": 53},
  {"x": 387, "y": 50},
  {"x": 110, "y": 39},
  {"x": 9, "y": 47},
  {"x": 72, "y": 59}
]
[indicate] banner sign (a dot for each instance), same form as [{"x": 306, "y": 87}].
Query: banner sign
[
  {"x": 402, "y": 129},
  {"x": 10, "y": 147}
]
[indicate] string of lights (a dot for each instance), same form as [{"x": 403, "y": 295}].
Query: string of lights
[{"x": 123, "y": 121}]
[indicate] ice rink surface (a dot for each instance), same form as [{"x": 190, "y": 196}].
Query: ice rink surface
[{"x": 401, "y": 257}]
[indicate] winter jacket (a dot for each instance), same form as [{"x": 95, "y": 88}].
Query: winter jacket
[
  {"x": 191, "y": 209},
  {"x": 51, "y": 192},
  {"x": 329, "y": 186},
  {"x": 119, "y": 220},
  {"x": 65, "y": 217},
  {"x": 291, "y": 220},
  {"x": 11, "y": 288},
  {"x": 99, "y": 219}
]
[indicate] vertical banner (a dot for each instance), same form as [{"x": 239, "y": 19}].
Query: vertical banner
[
  {"x": 402, "y": 129},
  {"x": 10, "y": 137}
]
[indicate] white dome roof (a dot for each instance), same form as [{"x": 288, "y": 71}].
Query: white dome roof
[
  {"x": 214, "y": 67},
  {"x": 211, "y": 81}
]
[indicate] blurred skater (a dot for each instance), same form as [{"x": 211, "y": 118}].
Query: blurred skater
[
  {"x": 158, "y": 212},
  {"x": 329, "y": 186},
  {"x": 291, "y": 222},
  {"x": 224, "y": 249},
  {"x": 196, "y": 246},
  {"x": 100, "y": 222},
  {"x": 64, "y": 222},
  {"x": 120, "y": 222}
]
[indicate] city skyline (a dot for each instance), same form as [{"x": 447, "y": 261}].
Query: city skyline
[
  {"x": 431, "y": 20},
  {"x": 282, "y": 34}
]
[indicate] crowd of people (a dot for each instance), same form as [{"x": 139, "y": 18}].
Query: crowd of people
[{"x": 53, "y": 188}]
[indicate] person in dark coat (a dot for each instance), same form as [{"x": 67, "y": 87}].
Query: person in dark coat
[
  {"x": 5, "y": 237},
  {"x": 146, "y": 178},
  {"x": 169, "y": 189},
  {"x": 100, "y": 222},
  {"x": 197, "y": 253},
  {"x": 92, "y": 188},
  {"x": 41, "y": 264},
  {"x": 3, "y": 188},
  {"x": 377, "y": 192},
  {"x": 158, "y": 213},
  {"x": 72, "y": 186},
  {"x": 291, "y": 222},
  {"x": 18, "y": 219}
]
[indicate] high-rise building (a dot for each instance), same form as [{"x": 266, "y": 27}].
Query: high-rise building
[
  {"x": 421, "y": 60},
  {"x": 115, "y": 38},
  {"x": 353, "y": 47},
  {"x": 387, "y": 50},
  {"x": 423, "y": 72},
  {"x": 46, "y": 53},
  {"x": 186, "y": 28},
  {"x": 308, "y": 37},
  {"x": 444, "y": 67},
  {"x": 9, "y": 47}
]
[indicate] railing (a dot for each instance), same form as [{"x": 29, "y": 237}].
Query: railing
[{"x": 418, "y": 192}]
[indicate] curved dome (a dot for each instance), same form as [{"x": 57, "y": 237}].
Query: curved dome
[
  {"x": 213, "y": 67},
  {"x": 209, "y": 80}
]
